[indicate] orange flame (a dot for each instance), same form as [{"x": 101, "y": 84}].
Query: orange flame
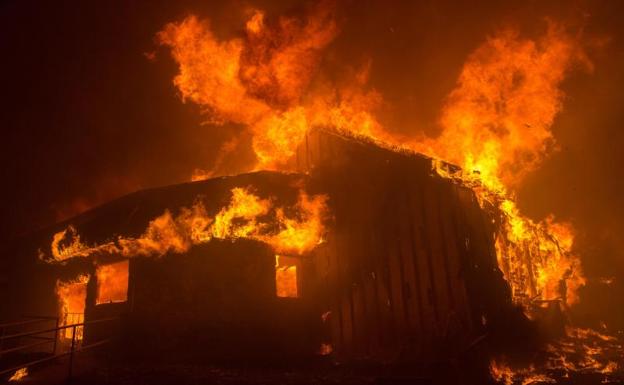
[
  {"x": 285, "y": 278},
  {"x": 112, "y": 280},
  {"x": 72, "y": 296},
  {"x": 244, "y": 206},
  {"x": 295, "y": 234},
  {"x": 73, "y": 247},
  {"x": 537, "y": 258},
  {"x": 263, "y": 80},
  {"x": 504, "y": 374},
  {"x": 579, "y": 351},
  {"x": 325, "y": 349},
  {"x": 496, "y": 125},
  {"x": 19, "y": 375},
  {"x": 497, "y": 120},
  {"x": 301, "y": 234}
]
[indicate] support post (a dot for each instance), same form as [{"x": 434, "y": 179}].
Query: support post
[
  {"x": 1, "y": 340},
  {"x": 71, "y": 352},
  {"x": 56, "y": 336}
]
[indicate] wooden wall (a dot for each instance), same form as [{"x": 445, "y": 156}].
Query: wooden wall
[
  {"x": 403, "y": 246},
  {"x": 219, "y": 301}
]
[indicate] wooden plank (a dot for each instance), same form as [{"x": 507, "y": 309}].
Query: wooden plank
[
  {"x": 335, "y": 324},
  {"x": 334, "y": 290},
  {"x": 395, "y": 280},
  {"x": 454, "y": 255},
  {"x": 372, "y": 313},
  {"x": 480, "y": 252},
  {"x": 412, "y": 298},
  {"x": 360, "y": 324},
  {"x": 464, "y": 259},
  {"x": 437, "y": 266},
  {"x": 346, "y": 311},
  {"x": 386, "y": 331},
  {"x": 444, "y": 220},
  {"x": 421, "y": 260}
]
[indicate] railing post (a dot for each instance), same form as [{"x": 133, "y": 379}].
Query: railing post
[
  {"x": 71, "y": 352},
  {"x": 56, "y": 336}
]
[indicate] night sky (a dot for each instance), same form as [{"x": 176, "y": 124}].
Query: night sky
[{"x": 87, "y": 116}]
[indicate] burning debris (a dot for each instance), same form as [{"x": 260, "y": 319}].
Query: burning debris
[
  {"x": 19, "y": 375},
  {"x": 581, "y": 352}
]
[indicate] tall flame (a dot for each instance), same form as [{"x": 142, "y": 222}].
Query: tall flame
[
  {"x": 72, "y": 297},
  {"x": 496, "y": 124},
  {"x": 497, "y": 121},
  {"x": 263, "y": 80}
]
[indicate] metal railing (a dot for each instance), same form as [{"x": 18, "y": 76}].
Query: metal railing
[
  {"x": 29, "y": 320},
  {"x": 36, "y": 334}
]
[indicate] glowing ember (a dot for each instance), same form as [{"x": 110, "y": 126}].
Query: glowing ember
[
  {"x": 19, "y": 375},
  {"x": 585, "y": 351},
  {"x": 112, "y": 283},
  {"x": 325, "y": 349},
  {"x": 503, "y": 374},
  {"x": 72, "y": 296},
  {"x": 294, "y": 234},
  {"x": 579, "y": 351}
]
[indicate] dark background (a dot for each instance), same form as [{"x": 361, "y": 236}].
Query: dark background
[{"x": 87, "y": 117}]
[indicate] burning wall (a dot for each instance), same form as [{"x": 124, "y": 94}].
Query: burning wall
[{"x": 409, "y": 265}]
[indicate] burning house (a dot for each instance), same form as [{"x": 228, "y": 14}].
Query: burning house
[
  {"x": 316, "y": 230},
  {"x": 364, "y": 253}
]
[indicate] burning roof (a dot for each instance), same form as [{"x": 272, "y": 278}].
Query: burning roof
[{"x": 242, "y": 214}]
